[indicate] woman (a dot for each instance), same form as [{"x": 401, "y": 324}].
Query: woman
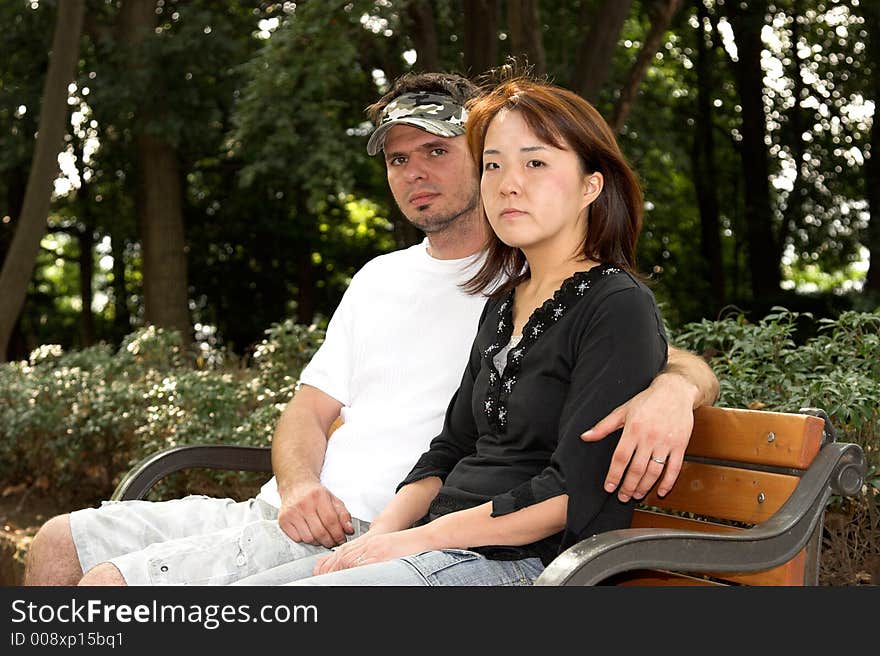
[{"x": 572, "y": 334}]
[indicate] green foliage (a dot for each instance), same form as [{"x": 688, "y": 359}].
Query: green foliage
[
  {"x": 280, "y": 357},
  {"x": 280, "y": 221},
  {"x": 263, "y": 102},
  {"x": 74, "y": 422},
  {"x": 27, "y": 35},
  {"x": 310, "y": 71},
  {"x": 765, "y": 365}
]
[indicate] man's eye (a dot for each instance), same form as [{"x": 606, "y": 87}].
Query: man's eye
[
  {"x": 438, "y": 151},
  {"x": 397, "y": 161}
]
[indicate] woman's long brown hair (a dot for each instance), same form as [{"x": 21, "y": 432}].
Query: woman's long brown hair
[{"x": 562, "y": 119}]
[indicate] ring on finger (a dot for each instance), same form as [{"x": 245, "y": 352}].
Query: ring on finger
[{"x": 659, "y": 461}]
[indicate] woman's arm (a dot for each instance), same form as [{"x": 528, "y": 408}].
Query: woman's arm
[
  {"x": 408, "y": 506},
  {"x": 474, "y": 527}
]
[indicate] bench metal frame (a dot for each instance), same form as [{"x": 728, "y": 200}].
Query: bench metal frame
[{"x": 839, "y": 469}]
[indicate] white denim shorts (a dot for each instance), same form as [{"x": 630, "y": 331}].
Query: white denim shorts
[{"x": 196, "y": 540}]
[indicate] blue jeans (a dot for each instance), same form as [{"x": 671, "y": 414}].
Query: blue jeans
[{"x": 449, "y": 567}]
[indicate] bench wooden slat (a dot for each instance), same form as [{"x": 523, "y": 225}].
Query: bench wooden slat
[
  {"x": 743, "y": 435},
  {"x": 648, "y": 519},
  {"x": 730, "y": 493},
  {"x": 790, "y": 573},
  {"x": 650, "y": 577}
]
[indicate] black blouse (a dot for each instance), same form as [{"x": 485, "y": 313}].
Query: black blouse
[{"x": 513, "y": 438}]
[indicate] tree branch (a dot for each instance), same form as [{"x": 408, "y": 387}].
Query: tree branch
[{"x": 660, "y": 20}]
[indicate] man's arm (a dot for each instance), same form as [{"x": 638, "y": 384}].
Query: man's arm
[
  {"x": 656, "y": 423},
  {"x": 309, "y": 512}
]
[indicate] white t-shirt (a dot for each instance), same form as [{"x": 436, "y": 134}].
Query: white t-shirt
[{"x": 394, "y": 354}]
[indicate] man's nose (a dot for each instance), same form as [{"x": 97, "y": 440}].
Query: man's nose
[{"x": 415, "y": 170}]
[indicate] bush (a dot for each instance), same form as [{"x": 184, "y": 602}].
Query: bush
[
  {"x": 766, "y": 365},
  {"x": 762, "y": 366},
  {"x": 72, "y": 424}
]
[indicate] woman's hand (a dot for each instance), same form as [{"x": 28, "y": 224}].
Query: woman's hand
[{"x": 373, "y": 547}]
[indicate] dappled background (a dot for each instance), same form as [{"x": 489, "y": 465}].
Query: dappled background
[{"x": 165, "y": 277}]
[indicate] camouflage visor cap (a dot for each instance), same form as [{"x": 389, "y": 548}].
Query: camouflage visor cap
[{"x": 433, "y": 112}]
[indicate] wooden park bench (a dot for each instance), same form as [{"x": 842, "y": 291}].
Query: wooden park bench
[{"x": 747, "y": 508}]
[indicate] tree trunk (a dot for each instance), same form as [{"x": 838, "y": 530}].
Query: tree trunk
[
  {"x": 160, "y": 222},
  {"x": 20, "y": 345},
  {"x": 764, "y": 250},
  {"x": 872, "y": 236},
  {"x": 661, "y": 16},
  {"x": 16, "y": 187},
  {"x": 792, "y": 217},
  {"x": 872, "y": 184},
  {"x": 86, "y": 240},
  {"x": 306, "y": 275},
  {"x": 121, "y": 314},
  {"x": 704, "y": 172},
  {"x": 16, "y": 183},
  {"x": 594, "y": 55},
  {"x": 18, "y": 266},
  {"x": 480, "y": 36},
  {"x": 423, "y": 31},
  {"x": 159, "y": 198},
  {"x": 524, "y": 24},
  {"x": 305, "y": 291},
  {"x": 872, "y": 167}
]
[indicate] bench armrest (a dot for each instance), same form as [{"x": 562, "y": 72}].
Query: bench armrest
[
  {"x": 143, "y": 476},
  {"x": 839, "y": 468}
]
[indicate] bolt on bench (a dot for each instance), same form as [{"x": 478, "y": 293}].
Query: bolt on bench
[{"x": 747, "y": 507}]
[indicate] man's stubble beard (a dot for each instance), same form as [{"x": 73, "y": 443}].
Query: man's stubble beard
[{"x": 434, "y": 225}]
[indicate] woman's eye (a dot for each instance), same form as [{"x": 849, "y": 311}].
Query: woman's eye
[
  {"x": 490, "y": 166},
  {"x": 535, "y": 163}
]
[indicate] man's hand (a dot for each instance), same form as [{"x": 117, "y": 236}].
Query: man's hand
[
  {"x": 310, "y": 513},
  {"x": 657, "y": 426}
]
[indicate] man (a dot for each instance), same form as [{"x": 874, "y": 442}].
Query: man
[{"x": 391, "y": 360}]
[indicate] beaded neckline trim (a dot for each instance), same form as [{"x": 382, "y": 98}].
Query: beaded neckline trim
[{"x": 550, "y": 312}]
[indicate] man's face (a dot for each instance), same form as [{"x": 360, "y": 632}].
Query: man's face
[{"x": 433, "y": 179}]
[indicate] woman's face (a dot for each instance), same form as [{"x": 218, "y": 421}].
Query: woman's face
[{"x": 534, "y": 193}]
